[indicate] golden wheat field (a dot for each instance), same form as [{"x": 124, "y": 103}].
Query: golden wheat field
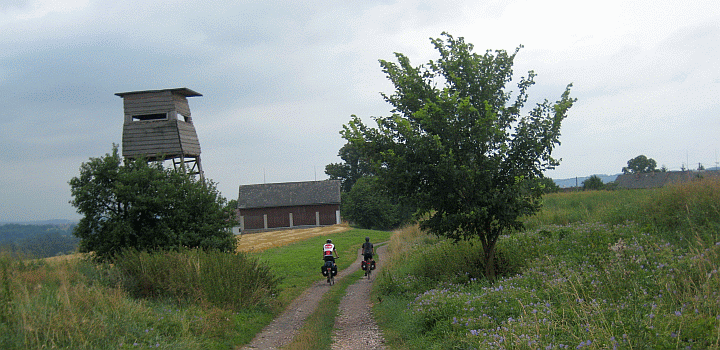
[{"x": 255, "y": 242}]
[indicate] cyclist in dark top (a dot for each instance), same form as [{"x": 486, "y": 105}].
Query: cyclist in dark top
[{"x": 368, "y": 250}]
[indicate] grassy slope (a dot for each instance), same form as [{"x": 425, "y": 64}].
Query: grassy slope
[
  {"x": 60, "y": 304},
  {"x": 624, "y": 269}
]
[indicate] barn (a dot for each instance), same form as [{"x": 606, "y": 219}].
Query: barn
[{"x": 289, "y": 205}]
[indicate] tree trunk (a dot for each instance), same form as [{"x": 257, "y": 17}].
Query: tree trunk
[{"x": 489, "y": 252}]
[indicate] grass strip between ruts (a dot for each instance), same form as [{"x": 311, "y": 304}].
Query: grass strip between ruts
[{"x": 317, "y": 331}]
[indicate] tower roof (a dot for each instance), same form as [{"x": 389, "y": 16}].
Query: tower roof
[{"x": 180, "y": 91}]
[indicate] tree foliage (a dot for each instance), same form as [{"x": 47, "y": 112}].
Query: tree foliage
[
  {"x": 141, "y": 205},
  {"x": 364, "y": 203},
  {"x": 545, "y": 184},
  {"x": 640, "y": 164},
  {"x": 456, "y": 144},
  {"x": 368, "y": 207},
  {"x": 593, "y": 183},
  {"x": 354, "y": 167}
]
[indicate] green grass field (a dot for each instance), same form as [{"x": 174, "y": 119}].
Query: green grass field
[
  {"x": 594, "y": 270},
  {"x": 75, "y": 304}
]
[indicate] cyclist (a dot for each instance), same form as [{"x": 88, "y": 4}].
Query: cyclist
[
  {"x": 328, "y": 250},
  {"x": 368, "y": 250}
]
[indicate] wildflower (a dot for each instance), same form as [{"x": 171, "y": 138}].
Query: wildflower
[{"x": 678, "y": 313}]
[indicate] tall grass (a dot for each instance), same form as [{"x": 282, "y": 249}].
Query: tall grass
[
  {"x": 596, "y": 270},
  {"x": 54, "y": 306},
  {"x": 187, "y": 300},
  {"x": 610, "y": 207},
  {"x": 75, "y": 304},
  {"x": 231, "y": 281}
]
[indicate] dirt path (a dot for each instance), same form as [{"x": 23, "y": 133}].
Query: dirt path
[
  {"x": 284, "y": 328},
  {"x": 355, "y": 327}
]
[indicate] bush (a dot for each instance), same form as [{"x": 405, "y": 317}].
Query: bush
[
  {"x": 593, "y": 183},
  {"x": 427, "y": 261},
  {"x": 226, "y": 280},
  {"x": 141, "y": 205}
]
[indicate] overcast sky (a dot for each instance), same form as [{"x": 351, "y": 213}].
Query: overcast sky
[{"x": 280, "y": 78}]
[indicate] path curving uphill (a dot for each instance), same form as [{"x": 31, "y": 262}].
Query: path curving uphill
[
  {"x": 285, "y": 327},
  {"x": 355, "y": 326}
]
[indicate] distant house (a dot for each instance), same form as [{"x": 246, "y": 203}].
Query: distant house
[
  {"x": 289, "y": 204},
  {"x": 660, "y": 179}
]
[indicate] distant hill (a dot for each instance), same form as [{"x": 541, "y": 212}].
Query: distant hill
[
  {"x": 38, "y": 241},
  {"x": 577, "y": 181},
  {"x": 40, "y": 222}
]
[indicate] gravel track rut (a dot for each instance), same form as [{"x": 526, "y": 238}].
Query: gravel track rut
[{"x": 354, "y": 327}]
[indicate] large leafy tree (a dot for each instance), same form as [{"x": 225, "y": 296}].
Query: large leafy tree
[
  {"x": 144, "y": 206},
  {"x": 640, "y": 164},
  {"x": 353, "y": 167},
  {"x": 457, "y": 146}
]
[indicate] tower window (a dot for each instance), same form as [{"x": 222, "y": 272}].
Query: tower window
[{"x": 158, "y": 116}]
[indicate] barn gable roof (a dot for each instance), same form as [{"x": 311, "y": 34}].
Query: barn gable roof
[{"x": 289, "y": 194}]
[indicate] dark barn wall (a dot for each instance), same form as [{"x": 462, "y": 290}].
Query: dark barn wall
[{"x": 279, "y": 217}]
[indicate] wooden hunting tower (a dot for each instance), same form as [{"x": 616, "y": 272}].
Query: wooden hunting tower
[{"x": 158, "y": 127}]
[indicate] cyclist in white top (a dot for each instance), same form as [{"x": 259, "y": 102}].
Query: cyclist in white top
[{"x": 328, "y": 250}]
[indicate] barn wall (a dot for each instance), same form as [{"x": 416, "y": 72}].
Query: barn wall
[{"x": 279, "y": 217}]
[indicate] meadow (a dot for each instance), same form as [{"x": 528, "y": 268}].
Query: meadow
[
  {"x": 185, "y": 300},
  {"x": 593, "y": 270}
]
